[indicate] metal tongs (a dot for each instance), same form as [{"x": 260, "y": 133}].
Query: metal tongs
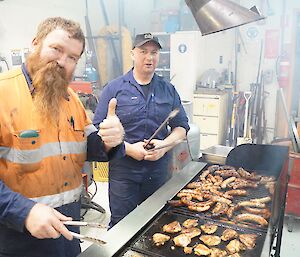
[
  {"x": 171, "y": 115},
  {"x": 86, "y": 224},
  {"x": 166, "y": 145}
]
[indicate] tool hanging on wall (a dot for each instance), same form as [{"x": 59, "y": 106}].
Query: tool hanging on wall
[
  {"x": 247, "y": 134},
  {"x": 232, "y": 131}
]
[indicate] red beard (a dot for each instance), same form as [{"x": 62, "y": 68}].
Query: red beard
[{"x": 50, "y": 84}]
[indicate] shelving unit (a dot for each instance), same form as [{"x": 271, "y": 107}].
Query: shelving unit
[{"x": 163, "y": 68}]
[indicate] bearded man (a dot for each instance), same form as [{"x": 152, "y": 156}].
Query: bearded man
[{"x": 45, "y": 138}]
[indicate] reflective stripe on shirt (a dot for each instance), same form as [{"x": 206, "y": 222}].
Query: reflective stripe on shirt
[
  {"x": 47, "y": 150},
  {"x": 61, "y": 198}
]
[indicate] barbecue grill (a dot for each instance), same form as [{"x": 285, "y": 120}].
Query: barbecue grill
[{"x": 133, "y": 235}]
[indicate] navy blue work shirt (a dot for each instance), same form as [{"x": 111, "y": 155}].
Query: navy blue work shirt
[{"x": 141, "y": 116}]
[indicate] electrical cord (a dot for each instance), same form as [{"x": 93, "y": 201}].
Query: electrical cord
[{"x": 2, "y": 59}]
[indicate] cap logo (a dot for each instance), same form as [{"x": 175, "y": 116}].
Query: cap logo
[{"x": 148, "y": 36}]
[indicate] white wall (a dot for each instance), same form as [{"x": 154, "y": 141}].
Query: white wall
[{"x": 19, "y": 20}]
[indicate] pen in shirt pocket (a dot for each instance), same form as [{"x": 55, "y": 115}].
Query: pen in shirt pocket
[{"x": 72, "y": 122}]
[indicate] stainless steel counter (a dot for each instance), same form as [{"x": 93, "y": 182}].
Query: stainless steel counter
[{"x": 121, "y": 233}]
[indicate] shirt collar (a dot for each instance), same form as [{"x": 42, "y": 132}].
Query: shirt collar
[{"x": 27, "y": 77}]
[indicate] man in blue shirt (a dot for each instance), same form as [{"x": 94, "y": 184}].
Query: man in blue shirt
[{"x": 144, "y": 102}]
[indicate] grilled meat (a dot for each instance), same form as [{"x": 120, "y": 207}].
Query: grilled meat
[
  {"x": 217, "y": 198},
  {"x": 160, "y": 239},
  {"x": 227, "y": 181},
  {"x": 172, "y": 227},
  {"x": 210, "y": 240},
  {"x": 267, "y": 179},
  {"x": 252, "y": 204},
  {"x": 196, "y": 184},
  {"x": 231, "y": 210},
  {"x": 262, "y": 200},
  {"x": 235, "y": 246},
  {"x": 190, "y": 223},
  {"x": 204, "y": 174},
  {"x": 252, "y": 218},
  {"x": 229, "y": 234},
  {"x": 227, "y": 173},
  {"x": 182, "y": 240},
  {"x": 199, "y": 208},
  {"x": 219, "y": 209},
  {"x": 271, "y": 187},
  {"x": 249, "y": 240},
  {"x": 191, "y": 232},
  {"x": 188, "y": 250},
  {"x": 215, "y": 252},
  {"x": 201, "y": 249},
  {"x": 239, "y": 192},
  {"x": 175, "y": 203},
  {"x": 247, "y": 175},
  {"x": 265, "y": 213},
  {"x": 242, "y": 183},
  {"x": 209, "y": 228}
]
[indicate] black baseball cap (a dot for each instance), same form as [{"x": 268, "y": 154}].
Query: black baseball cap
[{"x": 141, "y": 39}]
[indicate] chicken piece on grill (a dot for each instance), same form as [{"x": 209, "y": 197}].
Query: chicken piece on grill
[
  {"x": 252, "y": 218},
  {"x": 190, "y": 223},
  {"x": 235, "y": 246},
  {"x": 160, "y": 239},
  {"x": 201, "y": 249},
  {"x": 182, "y": 240},
  {"x": 188, "y": 250},
  {"x": 209, "y": 228},
  {"x": 191, "y": 232},
  {"x": 219, "y": 209},
  {"x": 172, "y": 227},
  {"x": 210, "y": 240},
  {"x": 229, "y": 234},
  {"x": 215, "y": 252},
  {"x": 249, "y": 240}
]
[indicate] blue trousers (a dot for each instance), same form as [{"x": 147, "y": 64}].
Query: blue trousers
[
  {"x": 129, "y": 186},
  {"x": 17, "y": 244}
]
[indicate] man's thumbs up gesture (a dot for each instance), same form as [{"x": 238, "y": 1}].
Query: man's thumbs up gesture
[{"x": 110, "y": 129}]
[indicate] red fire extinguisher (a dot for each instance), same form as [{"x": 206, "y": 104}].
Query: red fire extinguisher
[{"x": 283, "y": 71}]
